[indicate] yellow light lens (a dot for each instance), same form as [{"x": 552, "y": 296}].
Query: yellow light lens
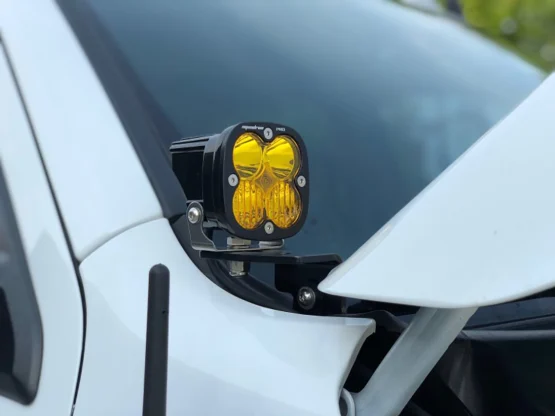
[
  {"x": 282, "y": 157},
  {"x": 266, "y": 190},
  {"x": 283, "y": 204},
  {"x": 248, "y": 204},
  {"x": 247, "y": 155}
]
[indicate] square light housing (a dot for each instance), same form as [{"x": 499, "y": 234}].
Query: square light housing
[{"x": 252, "y": 179}]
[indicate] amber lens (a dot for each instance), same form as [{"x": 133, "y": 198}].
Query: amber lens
[
  {"x": 282, "y": 157},
  {"x": 266, "y": 190},
  {"x": 283, "y": 205},
  {"x": 248, "y": 204},
  {"x": 247, "y": 155}
]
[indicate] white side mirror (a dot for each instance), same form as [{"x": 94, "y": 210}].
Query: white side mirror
[{"x": 482, "y": 233}]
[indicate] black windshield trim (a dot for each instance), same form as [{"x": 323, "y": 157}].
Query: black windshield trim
[{"x": 141, "y": 117}]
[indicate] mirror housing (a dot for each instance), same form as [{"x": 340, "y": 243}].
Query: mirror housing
[{"x": 482, "y": 233}]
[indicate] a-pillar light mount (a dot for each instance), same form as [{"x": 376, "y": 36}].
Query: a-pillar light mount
[{"x": 251, "y": 180}]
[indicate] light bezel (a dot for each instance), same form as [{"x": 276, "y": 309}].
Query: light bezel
[{"x": 218, "y": 193}]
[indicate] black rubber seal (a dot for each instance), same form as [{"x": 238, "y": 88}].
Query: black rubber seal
[{"x": 21, "y": 337}]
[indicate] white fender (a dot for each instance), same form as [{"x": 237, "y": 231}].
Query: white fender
[
  {"x": 482, "y": 233},
  {"x": 226, "y": 356}
]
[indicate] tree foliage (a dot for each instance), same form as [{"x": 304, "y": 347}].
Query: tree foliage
[{"x": 526, "y": 26}]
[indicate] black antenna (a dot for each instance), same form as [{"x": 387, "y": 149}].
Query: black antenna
[{"x": 156, "y": 357}]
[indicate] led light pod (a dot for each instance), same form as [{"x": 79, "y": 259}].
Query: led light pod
[{"x": 252, "y": 179}]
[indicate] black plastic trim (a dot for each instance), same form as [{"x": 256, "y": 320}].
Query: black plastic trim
[
  {"x": 23, "y": 316},
  {"x": 141, "y": 118},
  {"x": 537, "y": 323}
]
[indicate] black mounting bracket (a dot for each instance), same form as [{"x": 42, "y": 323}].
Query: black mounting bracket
[
  {"x": 296, "y": 275},
  {"x": 201, "y": 242}
]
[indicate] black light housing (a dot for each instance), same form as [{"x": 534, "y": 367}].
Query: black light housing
[{"x": 205, "y": 168}]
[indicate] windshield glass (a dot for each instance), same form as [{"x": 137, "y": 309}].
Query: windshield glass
[{"x": 384, "y": 96}]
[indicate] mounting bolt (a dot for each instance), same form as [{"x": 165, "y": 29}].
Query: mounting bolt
[
  {"x": 233, "y": 180},
  {"x": 194, "y": 215},
  {"x": 306, "y": 298},
  {"x": 236, "y": 242},
  {"x": 269, "y": 228},
  {"x": 237, "y": 269},
  {"x": 270, "y": 244},
  {"x": 301, "y": 181}
]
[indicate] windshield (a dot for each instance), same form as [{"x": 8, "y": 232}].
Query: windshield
[{"x": 384, "y": 96}]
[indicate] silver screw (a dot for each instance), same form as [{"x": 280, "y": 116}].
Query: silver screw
[
  {"x": 269, "y": 228},
  {"x": 268, "y": 133},
  {"x": 193, "y": 215},
  {"x": 301, "y": 181},
  {"x": 306, "y": 297},
  {"x": 233, "y": 180}
]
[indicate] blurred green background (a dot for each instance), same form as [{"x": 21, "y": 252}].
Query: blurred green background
[{"x": 525, "y": 26}]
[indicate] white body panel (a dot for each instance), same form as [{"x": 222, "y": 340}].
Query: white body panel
[
  {"x": 99, "y": 182},
  {"x": 482, "y": 233},
  {"x": 226, "y": 356},
  {"x": 52, "y": 271}
]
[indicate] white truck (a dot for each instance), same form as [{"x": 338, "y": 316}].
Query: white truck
[{"x": 93, "y": 202}]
